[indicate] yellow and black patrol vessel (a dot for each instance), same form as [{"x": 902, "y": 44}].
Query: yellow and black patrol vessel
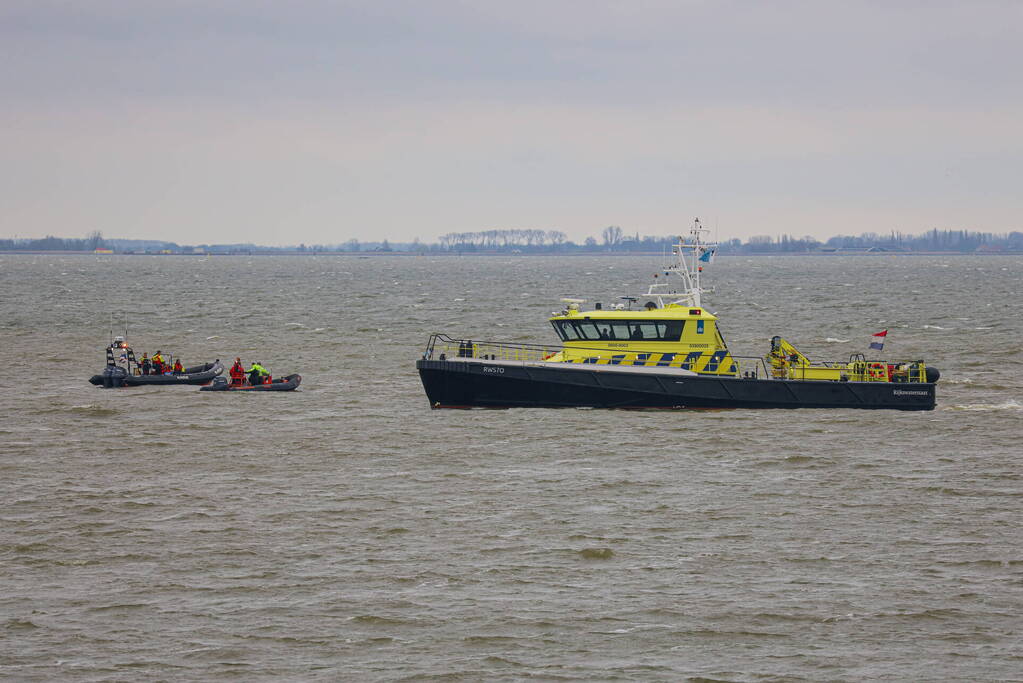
[{"x": 666, "y": 353}]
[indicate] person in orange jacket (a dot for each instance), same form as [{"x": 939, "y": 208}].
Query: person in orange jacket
[{"x": 178, "y": 368}]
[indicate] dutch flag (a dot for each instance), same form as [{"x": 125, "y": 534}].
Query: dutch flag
[{"x": 878, "y": 340}]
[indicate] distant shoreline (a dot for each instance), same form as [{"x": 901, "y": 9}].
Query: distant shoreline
[
  {"x": 374, "y": 254},
  {"x": 530, "y": 242}
]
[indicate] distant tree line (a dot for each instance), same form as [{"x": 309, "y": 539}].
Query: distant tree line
[
  {"x": 91, "y": 242},
  {"x": 613, "y": 238},
  {"x": 518, "y": 240},
  {"x": 503, "y": 240},
  {"x": 932, "y": 240}
]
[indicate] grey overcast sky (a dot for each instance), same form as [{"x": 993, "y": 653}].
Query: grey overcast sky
[{"x": 203, "y": 121}]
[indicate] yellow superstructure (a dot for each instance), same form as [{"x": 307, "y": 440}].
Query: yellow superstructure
[{"x": 674, "y": 336}]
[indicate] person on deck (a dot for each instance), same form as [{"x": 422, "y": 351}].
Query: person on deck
[
  {"x": 257, "y": 374},
  {"x": 145, "y": 364},
  {"x": 157, "y": 363},
  {"x": 178, "y": 368},
  {"x": 237, "y": 373}
]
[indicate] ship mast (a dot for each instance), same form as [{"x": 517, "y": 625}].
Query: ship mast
[{"x": 687, "y": 264}]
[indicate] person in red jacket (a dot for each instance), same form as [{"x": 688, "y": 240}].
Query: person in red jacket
[
  {"x": 178, "y": 368},
  {"x": 237, "y": 373}
]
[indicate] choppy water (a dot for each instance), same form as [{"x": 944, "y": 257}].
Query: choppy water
[{"x": 346, "y": 531}]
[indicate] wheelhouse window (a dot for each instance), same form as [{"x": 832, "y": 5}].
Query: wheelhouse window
[{"x": 619, "y": 330}]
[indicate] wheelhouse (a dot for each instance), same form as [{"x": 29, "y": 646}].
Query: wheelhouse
[{"x": 671, "y": 336}]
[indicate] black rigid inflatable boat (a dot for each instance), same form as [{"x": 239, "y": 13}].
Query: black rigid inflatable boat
[
  {"x": 124, "y": 370},
  {"x": 116, "y": 376},
  {"x": 289, "y": 383}
]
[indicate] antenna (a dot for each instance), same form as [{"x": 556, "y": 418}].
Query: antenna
[{"x": 689, "y": 255}]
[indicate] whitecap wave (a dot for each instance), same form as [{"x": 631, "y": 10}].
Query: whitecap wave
[
  {"x": 935, "y": 327},
  {"x": 833, "y": 340},
  {"x": 988, "y": 407},
  {"x": 216, "y": 336}
]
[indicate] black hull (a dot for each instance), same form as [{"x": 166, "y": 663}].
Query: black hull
[
  {"x": 495, "y": 384},
  {"x": 289, "y": 383},
  {"x": 200, "y": 374}
]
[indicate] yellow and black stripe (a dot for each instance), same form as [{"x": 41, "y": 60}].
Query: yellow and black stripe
[{"x": 716, "y": 363}]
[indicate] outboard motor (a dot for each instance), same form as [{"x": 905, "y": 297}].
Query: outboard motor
[
  {"x": 932, "y": 374},
  {"x": 113, "y": 377},
  {"x": 219, "y": 384}
]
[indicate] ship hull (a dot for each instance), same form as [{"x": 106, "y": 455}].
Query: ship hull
[{"x": 501, "y": 384}]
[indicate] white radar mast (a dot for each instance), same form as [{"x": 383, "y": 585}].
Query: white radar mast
[{"x": 688, "y": 260}]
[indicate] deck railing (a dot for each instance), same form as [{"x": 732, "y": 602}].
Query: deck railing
[
  {"x": 442, "y": 347},
  {"x": 441, "y": 344}
]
